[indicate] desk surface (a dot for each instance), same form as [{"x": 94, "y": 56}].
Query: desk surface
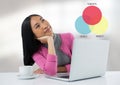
[{"x": 111, "y": 78}]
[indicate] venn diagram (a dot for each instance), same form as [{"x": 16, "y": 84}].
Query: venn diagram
[{"x": 91, "y": 21}]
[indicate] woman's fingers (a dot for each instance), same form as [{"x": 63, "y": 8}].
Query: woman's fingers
[
  {"x": 44, "y": 37},
  {"x": 38, "y": 71}
]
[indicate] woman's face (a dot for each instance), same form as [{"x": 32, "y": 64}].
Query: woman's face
[{"x": 40, "y": 27}]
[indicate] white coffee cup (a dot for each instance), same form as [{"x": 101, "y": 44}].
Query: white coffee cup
[{"x": 26, "y": 70}]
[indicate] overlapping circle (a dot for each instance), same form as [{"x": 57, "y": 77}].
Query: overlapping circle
[{"x": 91, "y": 21}]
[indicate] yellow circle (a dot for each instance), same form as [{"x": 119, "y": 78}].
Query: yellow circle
[{"x": 99, "y": 28}]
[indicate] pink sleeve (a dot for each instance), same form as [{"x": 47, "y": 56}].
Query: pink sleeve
[
  {"x": 71, "y": 40},
  {"x": 68, "y": 67},
  {"x": 49, "y": 65}
]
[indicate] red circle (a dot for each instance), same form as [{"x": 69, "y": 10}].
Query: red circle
[{"x": 92, "y": 15}]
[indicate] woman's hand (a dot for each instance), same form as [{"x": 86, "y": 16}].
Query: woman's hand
[
  {"x": 61, "y": 69},
  {"x": 45, "y": 39},
  {"x": 49, "y": 40},
  {"x": 38, "y": 71}
]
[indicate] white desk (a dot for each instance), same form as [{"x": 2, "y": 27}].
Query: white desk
[{"x": 111, "y": 78}]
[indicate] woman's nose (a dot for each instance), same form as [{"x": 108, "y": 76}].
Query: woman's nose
[{"x": 44, "y": 26}]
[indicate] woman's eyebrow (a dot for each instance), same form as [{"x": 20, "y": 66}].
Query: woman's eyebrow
[
  {"x": 36, "y": 24},
  {"x": 41, "y": 18}
]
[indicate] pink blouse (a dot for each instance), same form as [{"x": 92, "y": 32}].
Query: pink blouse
[{"x": 48, "y": 62}]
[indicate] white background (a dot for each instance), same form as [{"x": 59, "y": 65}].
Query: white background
[{"x": 61, "y": 14}]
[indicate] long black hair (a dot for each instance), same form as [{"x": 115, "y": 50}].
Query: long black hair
[{"x": 30, "y": 44}]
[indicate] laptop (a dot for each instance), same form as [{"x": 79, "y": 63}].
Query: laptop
[{"x": 89, "y": 60}]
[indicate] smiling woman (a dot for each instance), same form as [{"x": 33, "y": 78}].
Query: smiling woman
[
  {"x": 40, "y": 27},
  {"x": 50, "y": 51}
]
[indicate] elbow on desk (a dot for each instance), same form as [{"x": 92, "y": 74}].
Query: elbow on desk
[
  {"x": 51, "y": 72},
  {"x": 51, "y": 68}
]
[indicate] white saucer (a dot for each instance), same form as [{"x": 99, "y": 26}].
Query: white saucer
[{"x": 28, "y": 77}]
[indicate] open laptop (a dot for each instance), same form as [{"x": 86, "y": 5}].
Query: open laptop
[{"x": 89, "y": 59}]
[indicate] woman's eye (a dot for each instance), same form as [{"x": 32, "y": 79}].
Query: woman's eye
[
  {"x": 43, "y": 20},
  {"x": 37, "y": 26}
]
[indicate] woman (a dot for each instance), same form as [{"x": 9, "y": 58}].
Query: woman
[{"x": 51, "y": 52}]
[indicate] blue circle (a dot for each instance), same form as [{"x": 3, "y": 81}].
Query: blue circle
[{"x": 81, "y": 26}]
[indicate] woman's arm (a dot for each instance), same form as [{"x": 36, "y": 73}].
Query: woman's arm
[
  {"x": 51, "y": 48},
  {"x": 60, "y": 69},
  {"x": 48, "y": 40},
  {"x": 48, "y": 64}
]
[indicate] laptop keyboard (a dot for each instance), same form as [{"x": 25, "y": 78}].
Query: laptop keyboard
[{"x": 63, "y": 75}]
